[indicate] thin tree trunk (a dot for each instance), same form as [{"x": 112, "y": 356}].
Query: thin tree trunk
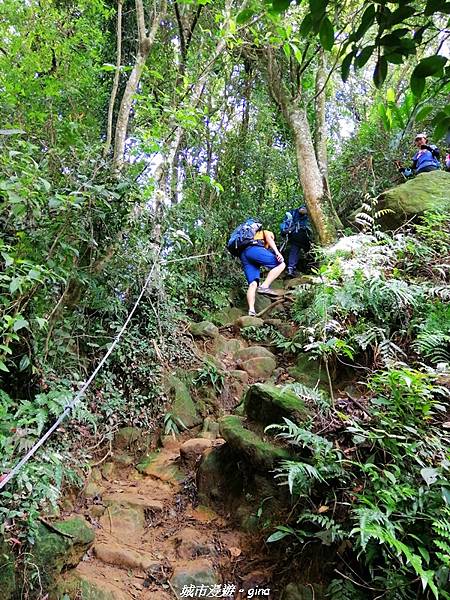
[
  {"x": 145, "y": 45},
  {"x": 115, "y": 86},
  {"x": 319, "y": 205},
  {"x": 320, "y": 138}
]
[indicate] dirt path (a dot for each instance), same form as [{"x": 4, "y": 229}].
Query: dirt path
[
  {"x": 154, "y": 542},
  {"x": 152, "y": 538}
]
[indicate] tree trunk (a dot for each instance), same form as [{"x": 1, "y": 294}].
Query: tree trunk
[
  {"x": 320, "y": 138},
  {"x": 319, "y": 205},
  {"x": 145, "y": 44},
  {"x": 112, "y": 100}
]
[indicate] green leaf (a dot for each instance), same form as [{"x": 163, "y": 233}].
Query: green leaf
[
  {"x": 429, "y": 474},
  {"x": 20, "y": 324},
  {"x": 297, "y": 53},
  {"x": 446, "y": 495},
  {"x": 3, "y": 367},
  {"x": 280, "y": 5},
  {"x": 429, "y": 66},
  {"x": 417, "y": 85},
  {"x": 442, "y": 128},
  {"x": 394, "y": 58},
  {"x": 423, "y": 113},
  {"x": 15, "y": 284},
  {"x": 364, "y": 56},
  {"x": 41, "y": 322},
  {"x": 345, "y": 67},
  {"x": 278, "y": 535},
  {"x": 380, "y": 72},
  {"x": 108, "y": 67},
  {"x": 24, "y": 362},
  {"x": 367, "y": 21},
  {"x": 390, "y": 95},
  {"x": 317, "y": 7},
  {"x": 401, "y": 13},
  {"x": 11, "y": 131},
  {"x": 287, "y": 50},
  {"x": 244, "y": 16},
  {"x": 326, "y": 34},
  {"x": 306, "y": 25}
]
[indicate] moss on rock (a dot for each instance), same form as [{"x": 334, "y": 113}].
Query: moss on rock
[
  {"x": 427, "y": 191},
  {"x": 53, "y": 552},
  {"x": 268, "y": 404},
  {"x": 183, "y": 405},
  {"x": 309, "y": 372},
  {"x": 261, "y": 454}
]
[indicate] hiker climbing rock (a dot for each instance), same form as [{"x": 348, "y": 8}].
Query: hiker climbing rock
[
  {"x": 296, "y": 227},
  {"x": 256, "y": 248},
  {"x": 425, "y": 159}
]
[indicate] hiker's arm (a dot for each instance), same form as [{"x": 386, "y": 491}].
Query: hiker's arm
[
  {"x": 273, "y": 246},
  {"x": 433, "y": 149}
]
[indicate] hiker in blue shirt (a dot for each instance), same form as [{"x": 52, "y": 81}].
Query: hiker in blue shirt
[
  {"x": 425, "y": 159},
  {"x": 256, "y": 248},
  {"x": 296, "y": 226}
]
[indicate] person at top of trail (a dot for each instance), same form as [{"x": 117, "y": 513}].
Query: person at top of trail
[
  {"x": 425, "y": 159},
  {"x": 256, "y": 248},
  {"x": 296, "y": 227},
  {"x": 447, "y": 161}
]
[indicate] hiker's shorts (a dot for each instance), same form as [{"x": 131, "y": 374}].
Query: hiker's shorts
[{"x": 255, "y": 257}]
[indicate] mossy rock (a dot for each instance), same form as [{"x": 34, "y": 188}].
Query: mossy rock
[
  {"x": 268, "y": 404},
  {"x": 78, "y": 586},
  {"x": 253, "y": 352},
  {"x": 309, "y": 372},
  {"x": 218, "y": 480},
  {"x": 248, "y": 321},
  {"x": 427, "y": 191},
  {"x": 7, "y": 570},
  {"x": 227, "y": 315},
  {"x": 262, "y": 455},
  {"x": 183, "y": 405},
  {"x": 54, "y": 552},
  {"x": 204, "y": 329}
]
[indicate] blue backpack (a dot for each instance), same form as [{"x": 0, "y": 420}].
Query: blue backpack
[
  {"x": 242, "y": 237},
  {"x": 293, "y": 222}
]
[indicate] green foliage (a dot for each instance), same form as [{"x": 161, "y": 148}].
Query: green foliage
[
  {"x": 209, "y": 374},
  {"x": 172, "y": 424}
]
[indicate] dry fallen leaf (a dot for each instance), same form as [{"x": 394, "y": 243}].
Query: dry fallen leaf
[
  {"x": 234, "y": 552},
  {"x": 323, "y": 509}
]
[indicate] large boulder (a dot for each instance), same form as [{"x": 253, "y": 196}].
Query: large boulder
[
  {"x": 204, "y": 329},
  {"x": 268, "y": 404},
  {"x": 61, "y": 546},
  {"x": 248, "y": 321},
  {"x": 227, "y": 315},
  {"x": 257, "y": 361},
  {"x": 183, "y": 406},
  {"x": 309, "y": 372},
  {"x": 427, "y": 191},
  {"x": 259, "y": 453},
  {"x": 195, "y": 573},
  {"x": 253, "y": 352}
]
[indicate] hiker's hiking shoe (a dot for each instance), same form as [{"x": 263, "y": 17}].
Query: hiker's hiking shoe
[
  {"x": 251, "y": 313},
  {"x": 267, "y": 291}
]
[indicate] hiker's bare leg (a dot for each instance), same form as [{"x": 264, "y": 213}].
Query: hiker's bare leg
[
  {"x": 251, "y": 294},
  {"x": 273, "y": 274}
]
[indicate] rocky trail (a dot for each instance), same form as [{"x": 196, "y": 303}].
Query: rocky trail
[{"x": 187, "y": 516}]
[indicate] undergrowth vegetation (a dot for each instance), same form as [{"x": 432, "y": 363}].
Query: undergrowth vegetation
[{"x": 376, "y": 487}]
